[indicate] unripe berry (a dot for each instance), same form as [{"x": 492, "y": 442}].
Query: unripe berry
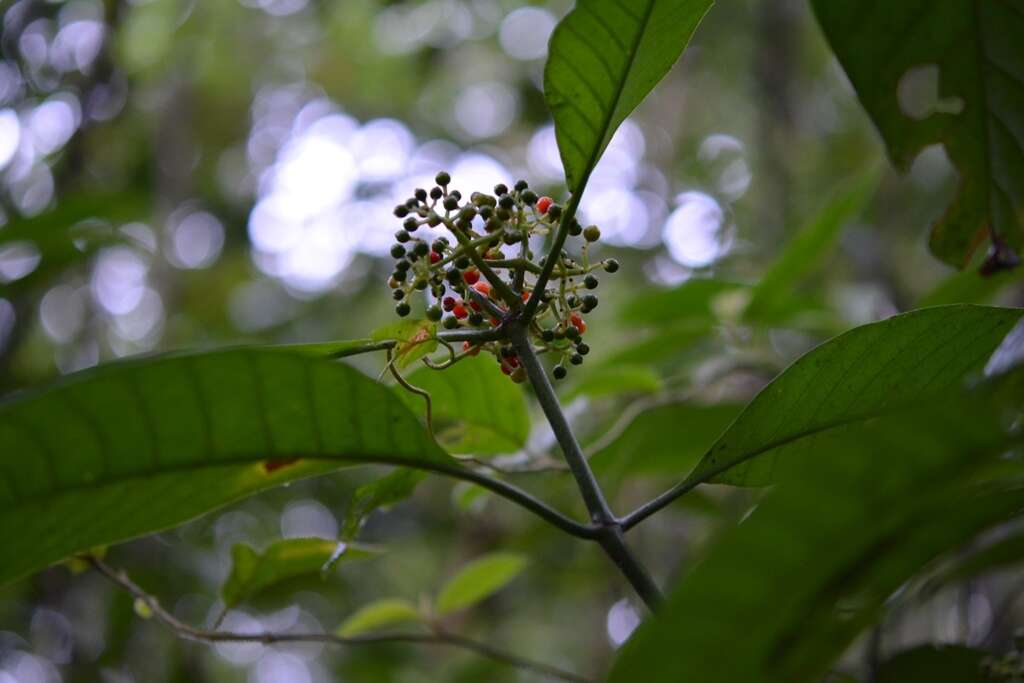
[
  {"x": 518, "y": 375},
  {"x": 582, "y": 349},
  {"x": 547, "y": 335},
  {"x": 450, "y": 323},
  {"x": 434, "y": 313},
  {"x": 572, "y": 333},
  {"x": 544, "y": 203},
  {"x": 420, "y": 194},
  {"x": 506, "y": 202},
  {"x": 397, "y": 251},
  {"x": 576, "y": 359},
  {"x": 421, "y": 249},
  {"x": 453, "y": 276},
  {"x": 467, "y": 213},
  {"x": 402, "y": 265},
  {"x": 575, "y": 229},
  {"x": 481, "y": 199},
  {"x": 403, "y": 309},
  {"x": 462, "y": 262},
  {"x": 590, "y": 282},
  {"x": 486, "y": 212},
  {"x": 611, "y": 265},
  {"x": 476, "y": 319},
  {"x": 402, "y": 236},
  {"x": 451, "y": 203},
  {"x": 592, "y": 233},
  {"x": 439, "y": 245},
  {"x": 411, "y": 224},
  {"x": 420, "y": 284},
  {"x": 590, "y": 301},
  {"x": 560, "y": 371},
  {"x": 529, "y": 197},
  {"x": 398, "y": 294},
  {"x": 555, "y": 212},
  {"x": 500, "y": 189},
  {"x": 456, "y": 194},
  {"x": 401, "y": 211},
  {"x": 436, "y": 193},
  {"x": 442, "y": 179},
  {"x": 400, "y": 275},
  {"x": 433, "y": 220},
  {"x": 521, "y": 185}
]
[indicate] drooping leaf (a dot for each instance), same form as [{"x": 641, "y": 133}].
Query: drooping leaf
[
  {"x": 478, "y": 580},
  {"x": 975, "y": 109},
  {"x": 253, "y": 571},
  {"x": 378, "y": 615},
  {"x": 476, "y": 408},
  {"x": 416, "y": 338},
  {"x": 933, "y": 663},
  {"x": 384, "y": 492},
  {"x": 616, "y": 380},
  {"x": 851, "y": 379},
  {"x": 771, "y": 299},
  {"x": 780, "y": 596},
  {"x": 135, "y": 447},
  {"x": 604, "y": 58}
]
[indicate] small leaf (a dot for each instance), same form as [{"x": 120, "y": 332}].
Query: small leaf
[
  {"x": 478, "y": 580},
  {"x": 604, "y": 58},
  {"x": 416, "y": 338},
  {"x": 476, "y": 408},
  {"x": 253, "y": 572},
  {"x": 384, "y": 492},
  {"x": 378, "y": 615}
]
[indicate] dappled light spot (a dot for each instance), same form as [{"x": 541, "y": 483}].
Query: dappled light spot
[{"x": 918, "y": 94}]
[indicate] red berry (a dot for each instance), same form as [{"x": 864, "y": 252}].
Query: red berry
[
  {"x": 434, "y": 257},
  {"x": 475, "y": 306},
  {"x": 460, "y": 311},
  {"x": 483, "y": 287},
  {"x": 526, "y": 297},
  {"x": 506, "y": 368},
  {"x": 471, "y": 276},
  {"x": 448, "y": 304},
  {"x": 578, "y": 323},
  {"x": 544, "y": 203},
  {"x": 513, "y": 361}
]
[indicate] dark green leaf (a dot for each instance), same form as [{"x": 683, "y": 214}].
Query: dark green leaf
[
  {"x": 384, "y": 492},
  {"x": 603, "y": 60},
  {"x": 851, "y": 379},
  {"x": 478, "y": 580},
  {"x": 134, "y": 447},
  {"x": 976, "y": 109},
  {"x": 253, "y": 572},
  {"x": 476, "y": 408},
  {"x": 781, "y": 596}
]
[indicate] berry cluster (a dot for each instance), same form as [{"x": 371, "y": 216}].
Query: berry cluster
[{"x": 472, "y": 281}]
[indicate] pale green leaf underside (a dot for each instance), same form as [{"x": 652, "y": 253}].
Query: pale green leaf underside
[
  {"x": 603, "y": 60},
  {"x": 852, "y": 378},
  {"x": 134, "y": 447},
  {"x": 377, "y": 615},
  {"x": 976, "y": 46}
]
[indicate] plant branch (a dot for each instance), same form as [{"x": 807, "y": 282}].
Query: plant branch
[
  {"x": 492, "y": 334},
  {"x": 438, "y": 637},
  {"x": 552, "y": 256},
  {"x": 503, "y": 290},
  {"x": 609, "y": 531}
]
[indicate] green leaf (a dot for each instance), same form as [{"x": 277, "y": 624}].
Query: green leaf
[
  {"x": 1004, "y": 553},
  {"x": 698, "y": 301},
  {"x": 666, "y": 439},
  {"x": 780, "y": 596},
  {"x": 416, "y": 338},
  {"x": 134, "y": 447},
  {"x": 604, "y": 58},
  {"x": 851, "y": 379},
  {"x": 476, "y": 408},
  {"x": 253, "y": 572},
  {"x": 478, "y": 580},
  {"x": 616, "y": 380},
  {"x": 771, "y": 298},
  {"x": 933, "y": 663},
  {"x": 660, "y": 344},
  {"x": 384, "y": 492},
  {"x": 976, "y": 109},
  {"x": 970, "y": 287},
  {"x": 378, "y": 615}
]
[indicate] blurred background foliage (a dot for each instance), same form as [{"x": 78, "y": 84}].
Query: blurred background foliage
[{"x": 179, "y": 174}]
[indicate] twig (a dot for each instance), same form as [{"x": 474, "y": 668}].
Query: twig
[
  {"x": 413, "y": 390},
  {"x": 438, "y": 637}
]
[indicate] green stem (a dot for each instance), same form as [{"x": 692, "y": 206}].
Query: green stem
[
  {"x": 503, "y": 290},
  {"x": 556, "y": 248}
]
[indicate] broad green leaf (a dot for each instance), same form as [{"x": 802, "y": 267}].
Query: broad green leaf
[
  {"x": 771, "y": 299},
  {"x": 478, "y": 580},
  {"x": 384, "y": 492},
  {"x": 851, "y": 379},
  {"x": 779, "y": 597},
  {"x": 970, "y": 287},
  {"x": 616, "y": 380},
  {"x": 661, "y": 344},
  {"x": 416, "y": 338},
  {"x": 253, "y": 571},
  {"x": 377, "y": 615},
  {"x": 696, "y": 301},
  {"x": 664, "y": 440},
  {"x": 936, "y": 663},
  {"x": 604, "y": 58},
  {"x": 476, "y": 409},
  {"x": 134, "y": 447},
  {"x": 975, "y": 109}
]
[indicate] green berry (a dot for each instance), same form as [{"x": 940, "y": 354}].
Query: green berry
[
  {"x": 411, "y": 224},
  {"x": 481, "y": 199},
  {"x": 397, "y": 251},
  {"x": 611, "y": 265},
  {"x": 467, "y": 213},
  {"x": 507, "y": 202},
  {"x": 462, "y": 262},
  {"x": 589, "y": 303},
  {"x": 433, "y": 220},
  {"x": 576, "y": 359},
  {"x": 575, "y": 229},
  {"x": 442, "y": 179},
  {"x": 476, "y": 319},
  {"x": 590, "y": 282},
  {"x": 403, "y": 309},
  {"x": 453, "y": 276},
  {"x": 398, "y": 295},
  {"x": 436, "y": 193},
  {"x": 402, "y": 265},
  {"x": 592, "y": 233},
  {"x": 547, "y": 335},
  {"x": 572, "y": 333},
  {"x": 434, "y": 313},
  {"x": 451, "y": 203},
  {"x": 420, "y": 194},
  {"x": 450, "y": 323},
  {"x": 555, "y": 212},
  {"x": 420, "y": 284},
  {"x": 402, "y": 236},
  {"x": 500, "y": 189},
  {"x": 560, "y": 372},
  {"x": 421, "y": 249},
  {"x": 401, "y": 211},
  {"x": 582, "y": 349},
  {"x": 529, "y": 197},
  {"x": 521, "y": 185}
]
